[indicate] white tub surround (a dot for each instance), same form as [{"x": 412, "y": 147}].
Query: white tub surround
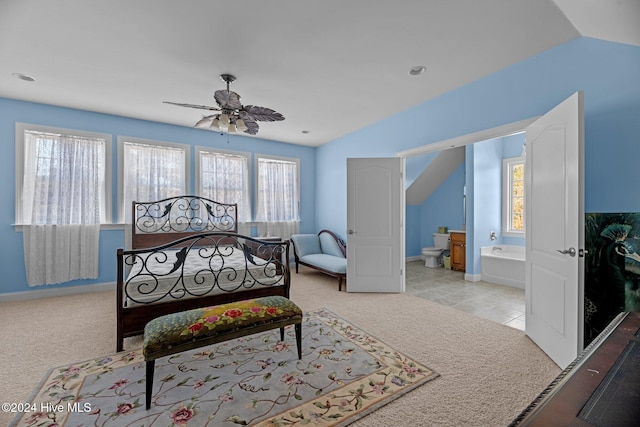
[{"x": 503, "y": 264}]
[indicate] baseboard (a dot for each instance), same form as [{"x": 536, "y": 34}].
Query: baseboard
[
  {"x": 413, "y": 258},
  {"x": 57, "y": 292},
  {"x": 472, "y": 277}
]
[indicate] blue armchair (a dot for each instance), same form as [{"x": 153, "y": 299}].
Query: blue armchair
[{"x": 324, "y": 251}]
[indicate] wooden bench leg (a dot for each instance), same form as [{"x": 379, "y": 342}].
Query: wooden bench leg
[
  {"x": 151, "y": 364},
  {"x": 298, "y": 327},
  {"x": 340, "y": 284}
]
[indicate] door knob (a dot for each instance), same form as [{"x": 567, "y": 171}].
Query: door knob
[
  {"x": 570, "y": 251},
  {"x": 352, "y": 232}
]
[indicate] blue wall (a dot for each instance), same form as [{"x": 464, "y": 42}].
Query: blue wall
[
  {"x": 487, "y": 194},
  {"x": 486, "y": 188},
  {"x": 413, "y": 235},
  {"x": 607, "y": 72},
  {"x": 443, "y": 208},
  {"x": 12, "y": 111}
]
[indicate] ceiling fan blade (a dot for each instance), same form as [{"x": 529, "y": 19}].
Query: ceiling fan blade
[
  {"x": 201, "y": 107},
  {"x": 263, "y": 114},
  {"x": 228, "y": 99},
  {"x": 249, "y": 122},
  {"x": 205, "y": 121}
]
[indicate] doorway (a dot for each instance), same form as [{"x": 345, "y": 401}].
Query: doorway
[
  {"x": 467, "y": 204},
  {"x": 555, "y": 222},
  {"x": 492, "y": 301}
]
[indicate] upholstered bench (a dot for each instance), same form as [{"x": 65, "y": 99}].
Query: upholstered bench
[{"x": 186, "y": 330}]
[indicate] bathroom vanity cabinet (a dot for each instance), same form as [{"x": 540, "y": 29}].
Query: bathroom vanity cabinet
[{"x": 458, "y": 249}]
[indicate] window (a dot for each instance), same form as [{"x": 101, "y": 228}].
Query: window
[
  {"x": 513, "y": 196},
  {"x": 62, "y": 176},
  {"x": 223, "y": 176},
  {"x": 277, "y": 189},
  {"x": 150, "y": 170},
  {"x": 277, "y": 196}
]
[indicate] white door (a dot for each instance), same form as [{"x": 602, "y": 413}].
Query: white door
[
  {"x": 555, "y": 231},
  {"x": 375, "y": 225}
]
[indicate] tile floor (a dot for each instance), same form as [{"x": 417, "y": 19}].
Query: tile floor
[{"x": 502, "y": 304}]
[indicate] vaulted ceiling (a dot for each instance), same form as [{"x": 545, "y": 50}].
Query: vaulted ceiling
[{"x": 330, "y": 67}]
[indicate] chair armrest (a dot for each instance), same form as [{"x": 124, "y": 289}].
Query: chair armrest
[{"x": 331, "y": 244}]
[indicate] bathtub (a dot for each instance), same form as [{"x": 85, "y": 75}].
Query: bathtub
[{"x": 503, "y": 264}]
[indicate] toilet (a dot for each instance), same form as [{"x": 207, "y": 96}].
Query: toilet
[{"x": 433, "y": 256}]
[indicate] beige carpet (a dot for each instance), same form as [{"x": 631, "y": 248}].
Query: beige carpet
[{"x": 489, "y": 372}]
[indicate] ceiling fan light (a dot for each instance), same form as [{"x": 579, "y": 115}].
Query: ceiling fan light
[
  {"x": 215, "y": 124},
  {"x": 240, "y": 125},
  {"x": 224, "y": 119},
  {"x": 232, "y": 128}
]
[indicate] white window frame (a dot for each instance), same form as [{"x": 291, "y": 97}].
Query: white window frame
[
  {"x": 20, "y": 160},
  {"x": 121, "y": 141},
  {"x": 198, "y": 178},
  {"x": 507, "y": 199},
  {"x": 258, "y": 157}
]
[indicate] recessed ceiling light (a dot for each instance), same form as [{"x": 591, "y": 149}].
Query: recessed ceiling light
[
  {"x": 417, "y": 70},
  {"x": 24, "y": 77}
]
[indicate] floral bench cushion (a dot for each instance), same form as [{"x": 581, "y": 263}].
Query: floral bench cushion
[{"x": 177, "y": 332}]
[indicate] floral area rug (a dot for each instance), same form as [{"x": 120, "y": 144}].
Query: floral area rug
[{"x": 344, "y": 374}]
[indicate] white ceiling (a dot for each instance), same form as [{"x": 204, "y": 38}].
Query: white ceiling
[{"x": 330, "y": 67}]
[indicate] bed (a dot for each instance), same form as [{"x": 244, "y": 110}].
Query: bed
[{"x": 185, "y": 253}]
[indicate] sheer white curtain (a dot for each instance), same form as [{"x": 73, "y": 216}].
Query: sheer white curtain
[
  {"x": 62, "y": 206},
  {"x": 151, "y": 172},
  {"x": 277, "y": 197},
  {"x": 224, "y": 177}
]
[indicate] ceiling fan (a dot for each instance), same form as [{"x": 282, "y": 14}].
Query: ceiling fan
[{"x": 231, "y": 115}]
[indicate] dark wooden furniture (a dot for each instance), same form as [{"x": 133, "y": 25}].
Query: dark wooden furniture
[
  {"x": 458, "y": 248},
  {"x": 171, "y": 234},
  {"x": 600, "y": 388}
]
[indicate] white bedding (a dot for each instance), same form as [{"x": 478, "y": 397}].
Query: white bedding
[{"x": 205, "y": 272}]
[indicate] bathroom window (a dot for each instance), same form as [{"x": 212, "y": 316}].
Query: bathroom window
[{"x": 513, "y": 197}]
